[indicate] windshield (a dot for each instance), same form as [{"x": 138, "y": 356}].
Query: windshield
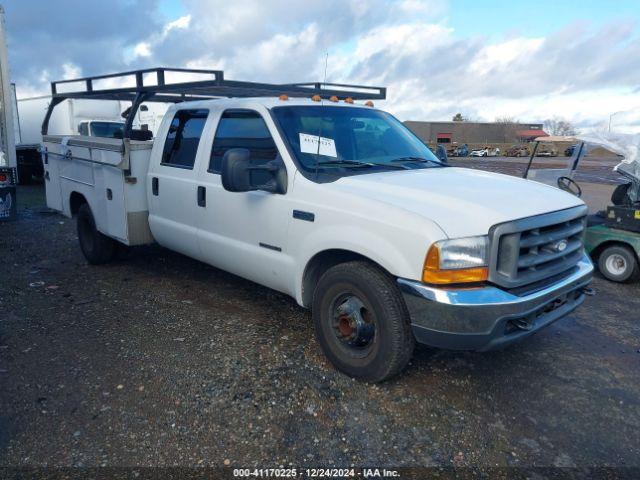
[
  {"x": 331, "y": 138},
  {"x": 107, "y": 129}
]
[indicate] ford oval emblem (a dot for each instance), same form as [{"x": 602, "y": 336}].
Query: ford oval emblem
[{"x": 561, "y": 246}]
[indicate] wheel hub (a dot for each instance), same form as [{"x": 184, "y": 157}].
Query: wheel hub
[
  {"x": 353, "y": 323},
  {"x": 616, "y": 264}
]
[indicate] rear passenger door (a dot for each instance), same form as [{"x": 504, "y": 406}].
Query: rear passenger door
[{"x": 172, "y": 188}]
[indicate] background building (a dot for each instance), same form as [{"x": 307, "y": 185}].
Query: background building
[{"x": 475, "y": 132}]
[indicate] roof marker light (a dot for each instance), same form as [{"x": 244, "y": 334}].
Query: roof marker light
[
  {"x": 316, "y": 98},
  {"x": 348, "y": 100},
  {"x": 284, "y": 96},
  {"x": 333, "y": 98},
  {"x": 368, "y": 103}
]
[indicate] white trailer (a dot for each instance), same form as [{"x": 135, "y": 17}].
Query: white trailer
[
  {"x": 7, "y": 141},
  {"x": 89, "y": 117},
  {"x": 93, "y": 118},
  {"x": 7, "y": 148}
]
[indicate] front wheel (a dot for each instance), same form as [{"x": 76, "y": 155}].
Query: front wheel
[
  {"x": 96, "y": 247},
  {"x": 362, "y": 322},
  {"x": 618, "y": 263}
]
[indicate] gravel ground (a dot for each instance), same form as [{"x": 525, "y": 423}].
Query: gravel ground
[{"x": 160, "y": 360}]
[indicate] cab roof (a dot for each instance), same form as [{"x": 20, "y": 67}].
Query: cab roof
[{"x": 266, "y": 102}]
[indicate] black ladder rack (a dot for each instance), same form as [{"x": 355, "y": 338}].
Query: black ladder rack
[{"x": 150, "y": 85}]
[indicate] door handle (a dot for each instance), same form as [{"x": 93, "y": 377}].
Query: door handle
[
  {"x": 154, "y": 185},
  {"x": 202, "y": 196}
]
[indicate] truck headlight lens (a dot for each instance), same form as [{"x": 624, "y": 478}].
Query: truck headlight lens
[{"x": 459, "y": 260}]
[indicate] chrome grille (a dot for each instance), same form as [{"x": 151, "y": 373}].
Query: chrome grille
[{"x": 532, "y": 249}]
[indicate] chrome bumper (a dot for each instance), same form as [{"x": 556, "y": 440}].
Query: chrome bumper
[{"x": 485, "y": 318}]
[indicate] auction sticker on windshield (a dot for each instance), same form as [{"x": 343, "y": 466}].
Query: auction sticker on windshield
[{"x": 309, "y": 144}]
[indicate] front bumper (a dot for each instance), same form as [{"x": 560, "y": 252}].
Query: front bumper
[{"x": 486, "y": 318}]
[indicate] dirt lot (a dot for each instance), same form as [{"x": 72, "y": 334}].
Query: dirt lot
[{"x": 161, "y": 360}]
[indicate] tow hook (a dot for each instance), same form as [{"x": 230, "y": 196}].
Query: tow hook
[
  {"x": 588, "y": 291},
  {"x": 522, "y": 323}
]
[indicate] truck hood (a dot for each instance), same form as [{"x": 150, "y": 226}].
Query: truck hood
[{"x": 461, "y": 201}]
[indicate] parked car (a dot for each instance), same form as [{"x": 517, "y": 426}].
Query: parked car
[
  {"x": 483, "y": 152},
  {"x": 339, "y": 206},
  {"x": 568, "y": 152},
  {"x": 517, "y": 151},
  {"x": 546, "y": 150},
  {"x": 441, "y": 154},
  {"x": 461, "y": 151}
]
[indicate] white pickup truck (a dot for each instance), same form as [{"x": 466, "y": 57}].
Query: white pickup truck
[{"x": 335, "y": 204}]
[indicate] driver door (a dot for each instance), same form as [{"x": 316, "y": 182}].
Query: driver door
[{"x": 245, "y": 232}]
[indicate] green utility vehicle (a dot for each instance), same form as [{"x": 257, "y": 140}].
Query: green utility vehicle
[{"x": 612, "y": 235}]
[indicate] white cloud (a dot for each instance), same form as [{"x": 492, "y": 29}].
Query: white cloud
[
  {"x": 142, "y": 49},
  {"x": 505, "y": 55},
  {"x": 431, "y": 70},
  {"x": 69, "y": 71},
  {"x": 180, "y": 23}
]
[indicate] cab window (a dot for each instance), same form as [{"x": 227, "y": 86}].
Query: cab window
[
  {"x": 243, "y": 129},
  {"x": 182, "y": 141}
]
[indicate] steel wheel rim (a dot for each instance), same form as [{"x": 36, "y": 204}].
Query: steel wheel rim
[
  {"x": 616, "y": 264},
  {"x": 353, "y": 324}
]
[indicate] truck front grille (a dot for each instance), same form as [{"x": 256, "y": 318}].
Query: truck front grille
[{"x": 532, "y": 249}]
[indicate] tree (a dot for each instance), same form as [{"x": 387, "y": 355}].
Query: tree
[
  {"x": 458, "y": 118},
  {"x": 559, "y": 126},
  {"x": 509, "y": 128}
]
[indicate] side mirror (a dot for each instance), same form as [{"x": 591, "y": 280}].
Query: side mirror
[{"x": 238, "y": 173}]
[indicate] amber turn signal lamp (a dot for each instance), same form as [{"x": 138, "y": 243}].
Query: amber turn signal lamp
[
  {"x": 431, "y": 272},
  {"x": 316, "y": 98}
]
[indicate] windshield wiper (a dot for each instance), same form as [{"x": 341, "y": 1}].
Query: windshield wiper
[
  {"x": 416, "y": 159},
  {"x": 356, "y": 164},
  {"x": 346, "y": 163}
]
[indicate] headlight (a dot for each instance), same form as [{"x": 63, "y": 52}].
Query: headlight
[{"x": 459, "y": 260}]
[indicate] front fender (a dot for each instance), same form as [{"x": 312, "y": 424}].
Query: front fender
[{"x": 397, "y": 254}]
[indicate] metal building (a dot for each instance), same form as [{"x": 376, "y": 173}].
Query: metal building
[{"x": 475, "y": 132}]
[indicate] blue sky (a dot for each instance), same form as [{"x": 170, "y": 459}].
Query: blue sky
[
  {"x": 527, "y": 60},
  {"x": 171, "y": 9},
  {"x": 535, "y": 18}
]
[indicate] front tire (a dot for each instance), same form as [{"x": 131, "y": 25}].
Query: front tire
[
  {"x": 618, "y": 263},
  {"x": 362, "y": 322},
  {"x": 96, "y": 247}
]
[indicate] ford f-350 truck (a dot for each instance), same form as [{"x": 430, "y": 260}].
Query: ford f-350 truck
[{"x": 299, "y": 188}]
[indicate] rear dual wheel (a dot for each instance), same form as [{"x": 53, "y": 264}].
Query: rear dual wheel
[
  {"x": 96, "y": 247},
  {"x": 361, "y": 321}
]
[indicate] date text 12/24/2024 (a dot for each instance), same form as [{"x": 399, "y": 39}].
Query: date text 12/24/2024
[{"x": 315, "y": 473}]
